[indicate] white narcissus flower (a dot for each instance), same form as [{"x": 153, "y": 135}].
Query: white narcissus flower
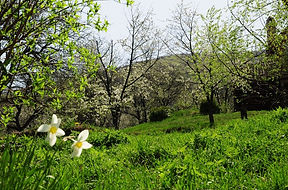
[
  {"x": 80, "y": 144},
  {"x": 53, "y": 130}
]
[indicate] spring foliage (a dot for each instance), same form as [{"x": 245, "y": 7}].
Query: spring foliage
[{"x": 253, "y": 152}]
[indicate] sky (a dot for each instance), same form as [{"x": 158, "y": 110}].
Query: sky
[{"x": 117, "y": 13}]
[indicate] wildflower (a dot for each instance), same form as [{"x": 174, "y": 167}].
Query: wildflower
[
  {"x": 53, "y": 130},
  {"x": 80, "y": 144}
]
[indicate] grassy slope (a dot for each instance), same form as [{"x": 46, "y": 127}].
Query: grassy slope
[
  {"x": 235, "y": 154},
  {"x": 186, "y": 121},
  {"x": 239, "y": 154}
]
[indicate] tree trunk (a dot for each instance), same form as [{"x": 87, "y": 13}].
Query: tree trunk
[
  {"x": 211, "y": 118},
  {"x": 211, "y": 110},
  {"x": 17, "y": 118},
  {"x": 145, "y": 119},
  {"x": 116, "y": 114},
  {"x": 144, "y": 110},
  {"x": 243, "y": 110}
]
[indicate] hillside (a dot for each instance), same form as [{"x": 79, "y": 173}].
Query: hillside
[
  {"x": 234, "y": 154},
  {"x": 187, "y": 121}
]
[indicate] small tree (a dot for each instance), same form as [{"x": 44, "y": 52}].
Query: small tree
[
  {"x": 190, "y": 43},
  {"x": 38, "y": 39},
  {"x": 255, "y": 46},
  {"x": 141, "y": 51}
]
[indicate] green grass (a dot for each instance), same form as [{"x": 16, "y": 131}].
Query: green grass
[
  {"x": 234, "y": 154},
  {"x": 186, "y": 121}
]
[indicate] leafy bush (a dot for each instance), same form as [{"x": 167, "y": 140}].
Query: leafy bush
[
  {"x": 159, "y": 113},
  {"x": 205, "y": 107}
]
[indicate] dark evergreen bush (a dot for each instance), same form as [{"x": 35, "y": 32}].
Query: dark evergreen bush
[
  {"x": 159, "y": 113},
  {"x": 205, "y": 107}
]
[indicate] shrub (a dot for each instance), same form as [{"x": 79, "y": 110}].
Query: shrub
[
  {"x": 159, "y": 113},
  {"x": 205, "y": 107}
]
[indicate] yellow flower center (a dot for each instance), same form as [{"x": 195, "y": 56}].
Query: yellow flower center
[
  {"x": 78, "y": 144},
  {"x": 53, "y": 129}
]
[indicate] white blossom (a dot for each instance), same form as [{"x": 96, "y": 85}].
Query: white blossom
[
  {"x": 52, "y": 130},
  {"x": 80, "y": 144}
]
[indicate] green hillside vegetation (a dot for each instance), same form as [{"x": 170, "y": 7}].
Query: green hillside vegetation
[
  {"x": 234, "y": 154},
  {"x": 168, "y": 83},
  {"x": 118, "y": 101},
  {"x": 186, "y": 121}
]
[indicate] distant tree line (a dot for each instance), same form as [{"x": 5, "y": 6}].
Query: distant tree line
[{"x": 51, "y": 62}]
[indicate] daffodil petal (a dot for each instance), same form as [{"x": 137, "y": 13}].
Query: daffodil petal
[
  {"x": 52, "y": 139},
  {"x": 83, "y": 135},
  {"x": 60, "y": 132},
  {"x": 54, "y": 120},
  {"x": 47, "y": 138},
  {"x": 76, "y": 152},
  {"x": 58, "y": 122},
  {"x": 73, "y": 143},
  {"x": 44, "y": 128},
  {"x": 86, "y": 145}
]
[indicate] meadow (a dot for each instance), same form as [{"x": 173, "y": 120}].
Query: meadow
[{"x": 181, "y": 152}]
